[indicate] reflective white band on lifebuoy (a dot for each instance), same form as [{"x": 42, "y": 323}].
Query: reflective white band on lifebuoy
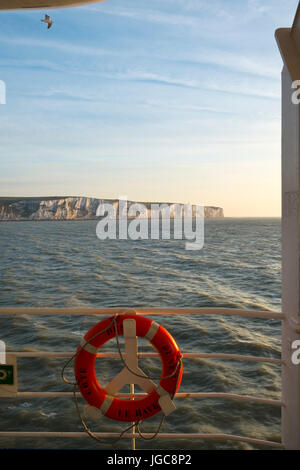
[
  {"x": 88, "y": 347},
  {"x": 165, "y": 401},
  {"x": 106, "y": 404},
  {"x": 92, "y": 412},
  {"x": 152, "y": 331},
  {"x": 161, "y": 391}
]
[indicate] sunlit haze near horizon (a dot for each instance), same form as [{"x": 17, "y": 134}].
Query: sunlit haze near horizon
[{"x": 162, "y": 100}]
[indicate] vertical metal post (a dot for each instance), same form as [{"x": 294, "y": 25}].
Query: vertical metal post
[
  {"x": 290, "y": 263},
  {"x": 133, "y": 427}
]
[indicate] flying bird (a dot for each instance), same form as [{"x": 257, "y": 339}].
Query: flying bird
[{"x": 48, "y": 21}]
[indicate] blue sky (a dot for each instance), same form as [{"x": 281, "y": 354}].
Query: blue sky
[{"x": 161, "y": 100}]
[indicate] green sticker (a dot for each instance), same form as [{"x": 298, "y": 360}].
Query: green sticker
[{"x": 6, "y": 374}]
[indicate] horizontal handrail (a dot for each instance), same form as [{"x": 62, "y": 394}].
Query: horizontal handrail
[
  {"x": 142, "y": 311},
  {"x": 228, "y": 396},
  {"x": 185, "y": 355},
  {"x": 213, "y": 311},
  {"x": 107, "y": 435}
]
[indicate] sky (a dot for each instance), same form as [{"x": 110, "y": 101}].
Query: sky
[{"x": 156, "y": 100}]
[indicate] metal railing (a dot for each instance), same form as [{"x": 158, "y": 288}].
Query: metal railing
[{"x": 180, "y": 395}]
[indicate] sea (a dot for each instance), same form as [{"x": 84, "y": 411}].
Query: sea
[{"x": 64, "y": 264}]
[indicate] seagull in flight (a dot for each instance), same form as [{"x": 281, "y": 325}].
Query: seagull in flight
[{"x": 48, "y": 21}]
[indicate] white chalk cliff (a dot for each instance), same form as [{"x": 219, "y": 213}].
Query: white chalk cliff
[{"x": 70, "y": 208}]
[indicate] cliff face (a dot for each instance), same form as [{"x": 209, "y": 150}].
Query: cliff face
[{"x": 68, "y": 208}]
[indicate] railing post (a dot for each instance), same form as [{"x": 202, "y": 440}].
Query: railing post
[
  {"x": 289, "y": 44},
  {"x": 133, "y": 425}
]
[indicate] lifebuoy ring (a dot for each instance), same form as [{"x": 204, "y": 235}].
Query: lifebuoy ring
[{"x": 117, "y": 408}]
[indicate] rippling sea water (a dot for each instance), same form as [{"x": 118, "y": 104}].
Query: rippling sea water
[{"x": 63, "y": 264}]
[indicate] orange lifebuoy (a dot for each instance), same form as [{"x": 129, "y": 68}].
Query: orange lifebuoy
[{"x": 117, "y": 408}]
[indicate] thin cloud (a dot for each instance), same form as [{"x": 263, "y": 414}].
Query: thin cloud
[
  {"x": 62, "y": 46},
  {"x": 196, "y": 109},
  {"x": 143, "y": 76},
  {"x": 243, "y": 89},
  {"x": 240, "y": 63},
  {"x": 59, "y": 94},
  {"x": 150, "y": 16},
  {"x": 238, "y": 88}
]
